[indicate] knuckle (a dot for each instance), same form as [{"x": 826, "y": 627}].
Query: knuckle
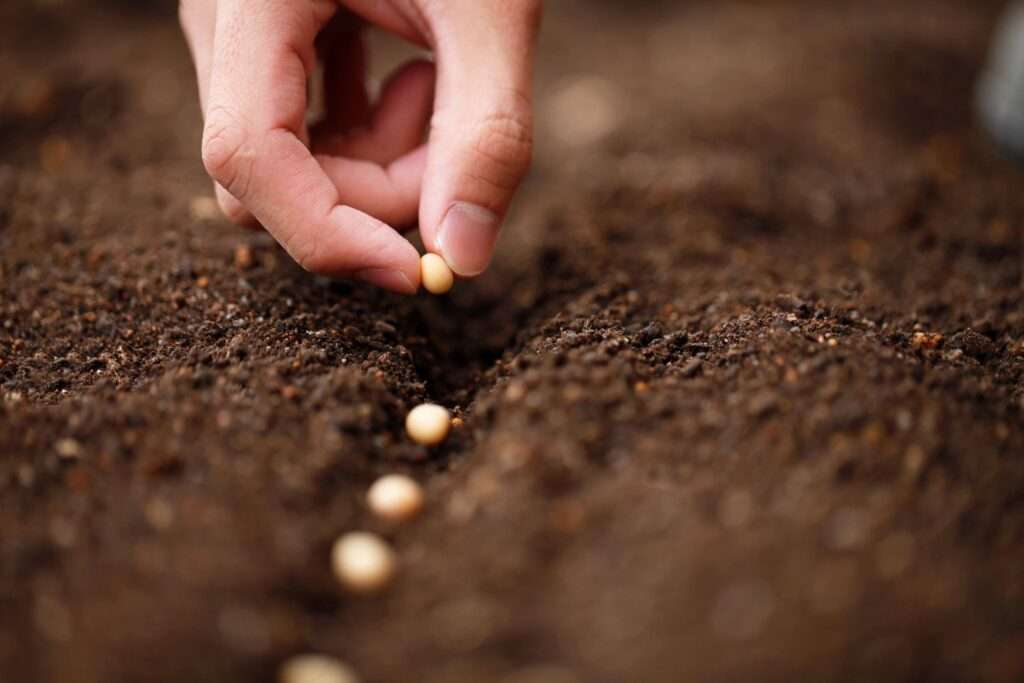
[
  {"x": 227, "y": 152},
  {"x": 504, "y": 142}
]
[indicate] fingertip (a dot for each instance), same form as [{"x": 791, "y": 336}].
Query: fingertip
[
  {"x": 466, "y": 238},
  {"x": 481, "y": 132},
  {"x": 356, "y": 244},
  {"x": 476, "y": 164}
]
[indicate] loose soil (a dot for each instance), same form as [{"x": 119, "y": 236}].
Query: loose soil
[{"x": 741, "y": 397}]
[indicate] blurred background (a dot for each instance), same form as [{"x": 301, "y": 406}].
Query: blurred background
[{"x": 614, "y": 77}]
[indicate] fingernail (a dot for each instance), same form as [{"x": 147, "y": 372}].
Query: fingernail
[
  {"x": 394, "y": 280},
  {"x": 466, "y": 238}
]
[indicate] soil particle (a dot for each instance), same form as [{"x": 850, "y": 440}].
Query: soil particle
[{"x": 973, "y": 344}]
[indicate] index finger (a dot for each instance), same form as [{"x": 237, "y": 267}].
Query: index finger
[{"x": 253, "y": 145}]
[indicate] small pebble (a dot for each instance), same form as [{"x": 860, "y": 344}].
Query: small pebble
[
  {"x": 363, "y": 562},
  {"x": 973, "y": 344},
  {"x": 926, "y": 340},
  {"x": 243, "y": 257},
  {"x": 395, "y": 497},
  {"x": 427, "y": 424},
  {"x": 437, "y": 277},
  {"x": 316, "y": 669},
  {"x": 69, "y": 449}
]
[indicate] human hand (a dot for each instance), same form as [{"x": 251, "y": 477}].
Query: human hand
[{"x": 329, "y": 191}]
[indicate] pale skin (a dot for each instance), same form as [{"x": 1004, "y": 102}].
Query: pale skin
[{"x": 336, "y": 193}]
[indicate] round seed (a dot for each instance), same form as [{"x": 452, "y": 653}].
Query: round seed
[
  {"x": 436, "y": 275},
  {"x": 315, "y": 669},
  {"x": 395, "y": 497},
  {"x": 428, "y": 424},
  {"x": 363, "y": 562}
]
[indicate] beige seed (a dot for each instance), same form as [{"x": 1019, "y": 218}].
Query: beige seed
[
  {"x": 316, "y": 669},
  {"x": 395, "y": 497},
  {"x": 363, "y": 562},
  {"x": 436, "y": 275},
  {"x": 427, "y": 424}
]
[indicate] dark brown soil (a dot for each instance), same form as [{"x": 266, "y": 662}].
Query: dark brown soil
[{"x": 742, "y": 395}]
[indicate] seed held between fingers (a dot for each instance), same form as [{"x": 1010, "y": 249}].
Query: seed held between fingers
[
  {"x": 437, "y": 277},
  {"x": 395, "y": 497},
  {"x": 428, "y": 424},
  {"x": 362, "y": 562}
]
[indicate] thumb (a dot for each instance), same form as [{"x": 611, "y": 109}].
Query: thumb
[{"x": 481, "y": 137}]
